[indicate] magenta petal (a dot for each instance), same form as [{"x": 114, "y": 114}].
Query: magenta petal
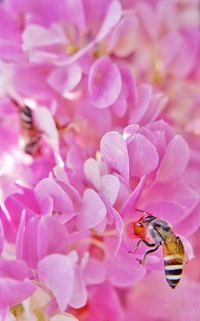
[
  {"x": 57, "y": 273},
  {"x": 104, "y": 83},
  {"x": 174, "y": 161},
  {"x": 93, "y": 210},
  {"x": 79, "y": 294},
  {"x": 129, "y": 204},
  {"x": 143, "y": 156},
  {"x": 13, "y": 292},
  {"x": 124, "y": 271},
  {"x": 1, "y": 237},
  {"x": 52, "y": 237},
  {"x": 115, "y": 153},
  {"x": 13, "y": 269}
]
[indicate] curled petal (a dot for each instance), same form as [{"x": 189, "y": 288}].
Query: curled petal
[
  {"x": 175, "y": 160},
  {"x": 109, "y": 188},
  {"x": 143, "y": 156},
  {"x": 115, "y": 153},
  {"x": 104, "y": 83},
  {"x": 57, "y": 273},
  {"x": 93, "y": 210}
]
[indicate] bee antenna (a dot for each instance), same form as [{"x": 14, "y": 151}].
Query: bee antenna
[{"x": 142, "y": 211}]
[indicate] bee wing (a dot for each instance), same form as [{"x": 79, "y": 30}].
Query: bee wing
[{"x": 173, "y": 246}]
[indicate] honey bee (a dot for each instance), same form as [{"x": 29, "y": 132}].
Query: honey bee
[
  {"x": 31, "y": 136},
  {"x": 154, "y": 233}
]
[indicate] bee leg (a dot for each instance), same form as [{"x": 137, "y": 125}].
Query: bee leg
[
  {"x": 138, "y": 243},
  {"x": 142, "y": 262}
]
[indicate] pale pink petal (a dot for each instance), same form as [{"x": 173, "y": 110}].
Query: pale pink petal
[
  {"x": 44, "y": 122},
  {"x": 120, "y": 106},
  {"x": 115, "y": 153},
  {"x": 37, "y": 36},
  {"x": 143, "y": 156},
  {"x": 109, "y": 188},
  {"x": 61, "y": 201},
  {"x": 112, "y": 17},
  {"x": 123, "y": 39},
  {"x": 175, "y": 160},
  {"x": 30, "y": 255},
  {"x": 52, "y": 237},
  {"x": 57, "y": 273},
  {"x": 104, "y": 83},
  {"x": 142, "y": 103},
  {"x": 91, "y": 171},
  {"x": 79, "y": 294},
  {"x": 113, "y": 243},
  {"x": 65, "y": 79},
  {"x": 93, "y": 210},
  {"x": 63, "y": 317}
]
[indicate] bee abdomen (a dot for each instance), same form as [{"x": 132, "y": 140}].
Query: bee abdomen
[{"x": 173, "y": 270}]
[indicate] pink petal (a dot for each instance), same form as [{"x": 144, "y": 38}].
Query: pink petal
[
  {"x": 175, "y": 160},
  {"x": 104, "y": 83},
  {"x": 167, "y": 210},
  {"x": 94, "y": 272},
  {"x": 13, "y": 292},
  {"x": 57, "y": 273},
  {"x": 52, "y": 237},
  {"x": 109, "y": 188},
  {"x": 112, "y": 17},
  {"x": 93, "y": 210},
  {"x": 143, "y": 156},
  {"x": 30, "y": 255},
  {"x": 115, "y": 153}
]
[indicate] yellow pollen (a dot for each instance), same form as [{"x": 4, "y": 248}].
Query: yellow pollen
[
  {"x": 17, "y": 310},
  {"x": 71, "y": 49},
  {"x": 98, "y": 155}
]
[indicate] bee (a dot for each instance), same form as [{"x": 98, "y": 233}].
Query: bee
[
  {"x": 31, "y": 136},
  {"x": 154, "y": 233}
]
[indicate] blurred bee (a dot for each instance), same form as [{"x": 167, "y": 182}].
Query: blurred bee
[
  {"x": 154, "y": 233},
  {"x": 30, "y": 135}
]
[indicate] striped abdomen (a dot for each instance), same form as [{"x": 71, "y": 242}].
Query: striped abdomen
[{"x": 173, "y": 265}]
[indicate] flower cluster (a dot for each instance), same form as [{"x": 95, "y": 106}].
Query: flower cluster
[{"x": 99, "y": 117}]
